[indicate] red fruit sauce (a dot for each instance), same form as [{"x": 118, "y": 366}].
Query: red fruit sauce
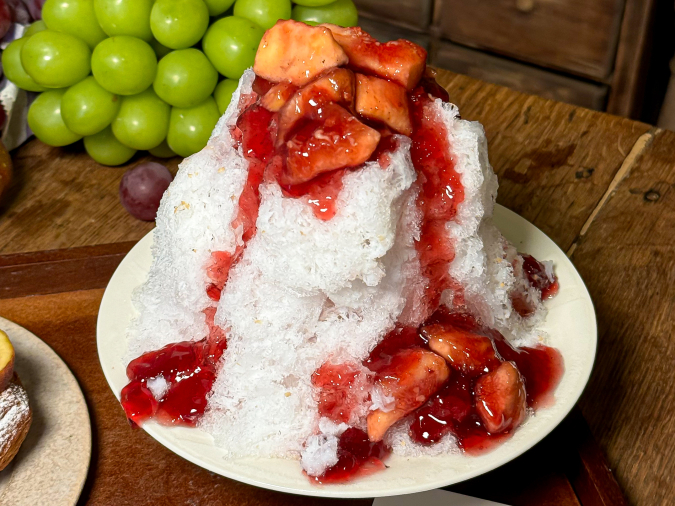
[
  {"x": 452, "y": 408},
  {"x": 190, "y": 368},
  {"x": 357, "y": 456},
  {"x": 338, "y": 393}
]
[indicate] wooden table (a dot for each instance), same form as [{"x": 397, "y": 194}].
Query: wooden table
[{"x": 600, "y": 186}]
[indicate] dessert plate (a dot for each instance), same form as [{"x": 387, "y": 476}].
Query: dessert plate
[
  {"x": 54, "y": 458},
  {"x": 570, "y": 325}
]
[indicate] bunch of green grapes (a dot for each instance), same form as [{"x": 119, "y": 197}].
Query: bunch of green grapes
[{"x": 155, "y": 75}]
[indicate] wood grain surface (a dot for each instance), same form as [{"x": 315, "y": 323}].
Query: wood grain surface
[{"x": 600, "y": 186}]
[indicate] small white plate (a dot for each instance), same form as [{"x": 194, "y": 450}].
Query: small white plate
[
  {"x": 52, "y": 464},
  {"x": 570, "y": 324}
]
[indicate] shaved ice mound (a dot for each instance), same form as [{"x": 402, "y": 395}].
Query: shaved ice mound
[{"x": 290, "y": 320}]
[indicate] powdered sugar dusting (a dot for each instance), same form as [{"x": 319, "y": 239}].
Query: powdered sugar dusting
[{"x": 14, "y": 408}]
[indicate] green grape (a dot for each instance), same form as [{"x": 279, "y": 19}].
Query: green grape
[
  {"x": 44, "y": 119},
  {"x": 143, "y": 120},
  {"x": 55, "y": 59},
  {"x": 162, "y": 151},
  {"x": 124, "y": 65},
  {"x": 36, "y": 27},
  {"x": 125, "y": 17},
  {"x": 264, "y": 13},
  {"x": 11, "y": 64},
  {"x": 223, "y": 93},
  {"x": 231, "y": 44},
  {"x": 87, "y": 108},
  {"x": 217, "y": 7},
  {"x": 185, "y": 78},
  {"x": 340, "y": 12},
  {"x": 106, "y": 149},
  {"x": 160, "y": 50},
  {"x": 179, "y": 24},
  {"x": 75, "y": 17},
  {"x": 190, "y": 129},
  {"x": 313, "y": 3}
]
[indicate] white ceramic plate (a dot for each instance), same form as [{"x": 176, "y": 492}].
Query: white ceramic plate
[
  {"x": 570, "y": 324},
  {"x": 53, "y": 461}
]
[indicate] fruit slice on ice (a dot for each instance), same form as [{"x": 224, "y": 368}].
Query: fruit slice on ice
[
  {"x": 400, "y": 61},
  {"x": 277, "y": 96},
  {"x": 336, "y": 139},
  {"x": 411, "y": 378},
  {"x": 297, "y": 53},
  {"x": 6, "y": 360},
  {"x": 335, "y": 86},
  {"x": 383, "y": 101},
  {"x": 501, "y": 399},
  {"x": 466, "y": 352}
]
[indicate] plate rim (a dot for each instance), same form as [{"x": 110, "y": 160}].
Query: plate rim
[{"x": 342, "y": 490}]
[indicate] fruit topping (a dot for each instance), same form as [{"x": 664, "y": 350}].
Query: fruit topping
[
  {"x": 411, "y": 378},
  {"x": 277, "y": 96},
  {"x": 501, "y": 399},
  {"x": 334, "y": 139},
  {"x": 400, "y": 61},
  {"x": 6, "y": 360},
  {"x": 540, "y": 277},
  {"x": 336, "y": 86},
  {"x": 469, "y": 353},
  {"x": 383, "y": 101},
  {"x": 297, "y": 53}
]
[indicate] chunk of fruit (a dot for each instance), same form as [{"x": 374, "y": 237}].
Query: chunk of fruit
[
  {"x": 469, "y": 353},
  {"x": 383, "y": 101},
  {"x": 340, "y": 389},
  {"x": 6, "y": 360},
  {"x": 411, "y": 378},
  {"x": 336, "y": 85},
  {"x": 277, "y": 96},
  {"x": 295, "y": 52},
  {"x": 336, "y": 139},
  {"x": 400, "y": 61},
  {"x": 501, "y": 399}
]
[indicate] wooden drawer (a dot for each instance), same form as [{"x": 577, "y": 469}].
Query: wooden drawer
[
  {"x": 413, "y": 13},
  {"x": 579, "y": 36},
  {"x": 518, "y": 76},
  {"x": 384, "y": 32}
]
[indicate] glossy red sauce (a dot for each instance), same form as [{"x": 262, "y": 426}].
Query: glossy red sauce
[
  {"x": 441, "y": 191},
  {"x": 337, "y": 396},
  {"x": 357, "y": 456},
  {"x": 453, "y": 408}
]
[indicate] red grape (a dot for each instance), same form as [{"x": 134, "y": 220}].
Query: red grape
[
  {"x": 5, "y": 19},
  {"x": 142, "y": 188}
]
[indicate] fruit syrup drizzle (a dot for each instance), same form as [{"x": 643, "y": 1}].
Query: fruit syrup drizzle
[{"x": 190, "y": 368}]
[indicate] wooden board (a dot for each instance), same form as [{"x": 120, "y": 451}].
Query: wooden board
[{"x": 129, "y": 467}]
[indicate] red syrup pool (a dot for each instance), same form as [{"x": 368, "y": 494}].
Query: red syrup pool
[
  {"x": 357, "y": 457},
  {"x": 189, "y": 370},
  {"x": 453, "y": 408}
]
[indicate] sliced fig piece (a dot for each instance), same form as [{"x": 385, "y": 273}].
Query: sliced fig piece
[
  {"x": 334, "y": 140},
  {"x": 336, "y": 85},
  {"x": 400, "y": 60},
  {"x": 277, "y": 96},
  {"x": 411, "y": 378},
  {"x": 296, "y": 53},
  {"x": 501, "y": 400},
  {"x": 383, "y": 101},
  {"x": 469, "y": 353}
]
